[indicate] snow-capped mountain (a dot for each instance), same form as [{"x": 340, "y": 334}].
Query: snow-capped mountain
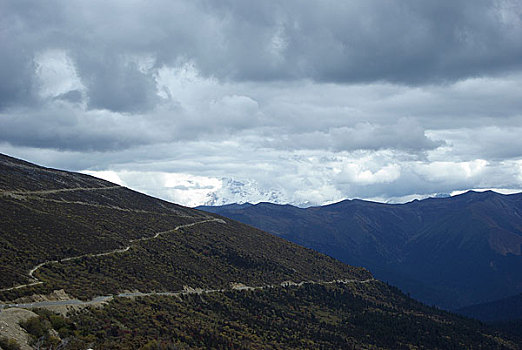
[{"x": 236, "y": 191}]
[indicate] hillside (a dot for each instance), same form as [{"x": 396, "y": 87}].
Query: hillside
[
  {"x": 506, "y": 309},
  {"x": 504, "y": 314},
  {"x": 165, "y": 276},
  {"x": 55, "y": 216},
  {"x": 450, "y": 252}
]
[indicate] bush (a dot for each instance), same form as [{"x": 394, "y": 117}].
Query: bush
[
  {"x": 8, "y": 344},
  {"x": 36, "y": 326}
]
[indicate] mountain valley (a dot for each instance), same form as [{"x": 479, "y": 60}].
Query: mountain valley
[{"x": 451, "y": 252}]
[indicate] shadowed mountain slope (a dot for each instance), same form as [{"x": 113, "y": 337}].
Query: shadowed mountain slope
[
  {"x": 506, "y": 309},
  {"x": 504, "y": 314},
  {"x": 450, "y": 252},
  {"x": 92, "y": 237}
]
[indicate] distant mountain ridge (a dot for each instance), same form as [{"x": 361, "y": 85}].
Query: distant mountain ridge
[
  {"x": 506, "y": 309},
  {"x": 505, "y": 313},
  {"x": 451, "y": 252}
]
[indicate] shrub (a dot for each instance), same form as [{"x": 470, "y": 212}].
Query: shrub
[{"x": 8, "y": 344}]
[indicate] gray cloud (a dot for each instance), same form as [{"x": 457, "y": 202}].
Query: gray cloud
[
  {"x": 117, "y": 87},
  {"x": 404, "y": 134},
  {"x": 64, "y": 127},
  {"x": 489, "y": 142},
  {"x": 409, "y": 42}
]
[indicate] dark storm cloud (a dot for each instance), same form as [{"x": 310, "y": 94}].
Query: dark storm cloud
[
  {"x": 115, "y": 86},
  {"x": 409, "y": 41},
  {"x": 66, "y": 129}
]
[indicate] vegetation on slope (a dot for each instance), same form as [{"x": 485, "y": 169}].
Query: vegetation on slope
[
  {"x": 499, "y": 310},
  {"x": 208, "y": 255},
  {"x": 43, "y": 222},
  {"x": 505, "y": 314},
  {"x": 33, "y": 231},
  {"x": 370, "y": 315}
]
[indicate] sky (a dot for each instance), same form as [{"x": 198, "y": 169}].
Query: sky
[{"x": 302, "y": 102}]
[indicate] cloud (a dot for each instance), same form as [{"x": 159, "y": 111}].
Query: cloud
[
  {"x": 296, "y": 101},
  {"x": 118, "y": 87},
  {"x": 107, "y": 175},
  {"x": 444, "y": 171},
  {"x": 56, "y": 74},
  {"x": 413, "y": 42},
  {"x": 354, "y": 173},
  {"x": 491, "y": 141},
  {"x": 177, "y": 187},
  {"x": 404, "y": 134}
]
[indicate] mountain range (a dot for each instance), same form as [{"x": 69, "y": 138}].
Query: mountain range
[
  {"x": 451, "y": 252},
  {"x": 129, "y": 271}
]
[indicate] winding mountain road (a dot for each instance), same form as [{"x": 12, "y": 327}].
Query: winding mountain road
[
  {"x": 114, "y": 251},
  {"x": 59, "y": 190},
  {"x": 102, "y": 299},
  {"x": 185, "y": 291},
  {"x": 25, "y": 194}
]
